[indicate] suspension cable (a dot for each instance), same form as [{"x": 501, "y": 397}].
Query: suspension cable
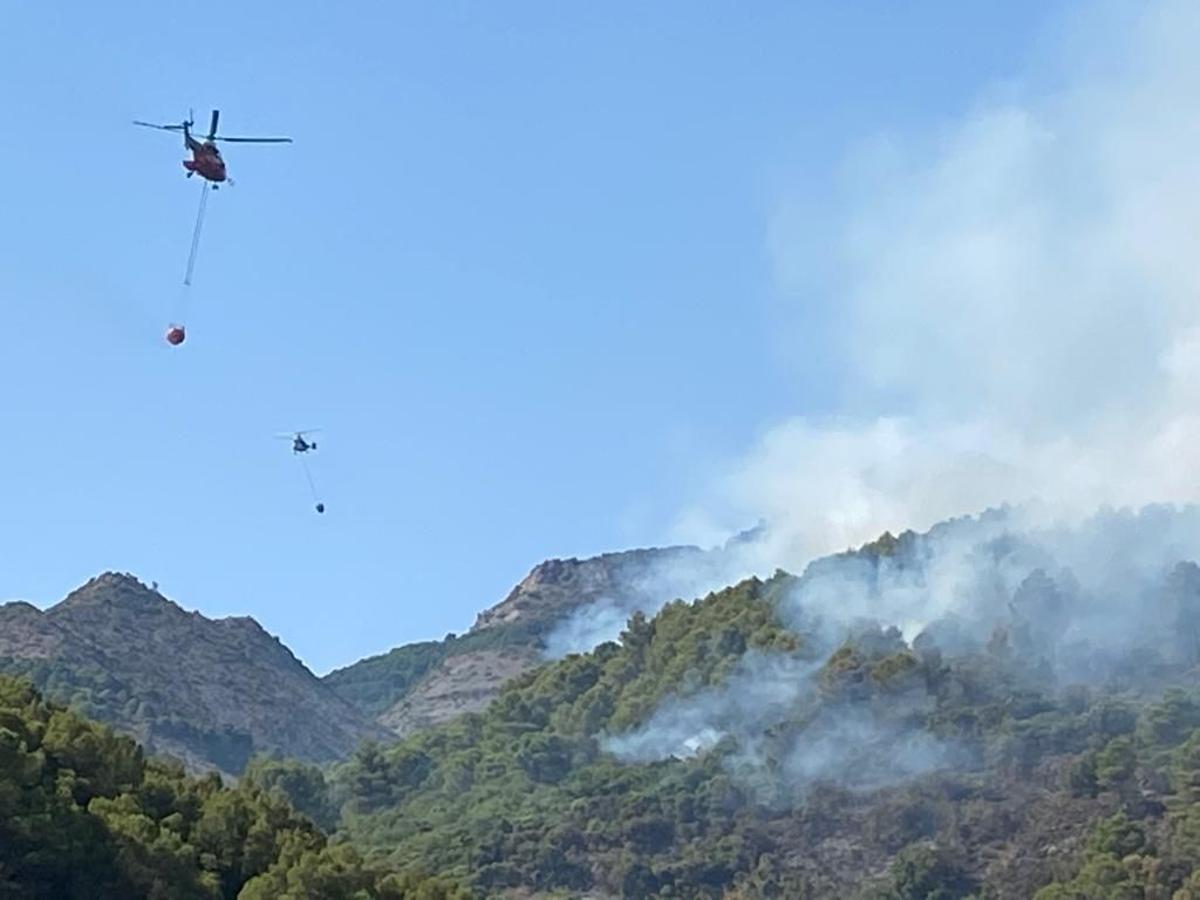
[
  {"x": 312, "y": 486},
  {"x": 191, "y": 263}
]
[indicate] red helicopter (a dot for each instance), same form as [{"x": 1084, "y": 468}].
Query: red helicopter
[{"x": 206, "y": 158}]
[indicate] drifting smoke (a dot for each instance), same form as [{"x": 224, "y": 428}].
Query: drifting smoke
[
  {"x": 588, "y": 627},
  {"x": 697, "y": 723},
  {"x": 1077, "y": 595},
  {"x": 678, "y": 574},
  {"x": 852, "y": 745},
  {"x": 861, "y": 750},
  {"x": 1015, "y": 304}
]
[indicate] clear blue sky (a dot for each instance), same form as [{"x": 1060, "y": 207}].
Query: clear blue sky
[{"x": 514, "y": 265}]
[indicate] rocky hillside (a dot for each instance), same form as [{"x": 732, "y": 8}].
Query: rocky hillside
[
  {"x": 211, "y": 692},
  {"x": 563, "y": 605},
  {"x": 559, "y": 587}
]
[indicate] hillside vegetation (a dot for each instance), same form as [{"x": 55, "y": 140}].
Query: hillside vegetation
[
  {"x": 507, "y": 796},
  {"x": 84, "y": 815},
  {"x": 716, "y": 751}
]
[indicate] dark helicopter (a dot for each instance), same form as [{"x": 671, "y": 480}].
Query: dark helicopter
[{"x": 299, "y": 444}]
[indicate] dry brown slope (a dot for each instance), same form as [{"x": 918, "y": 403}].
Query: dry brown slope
[{"x": 507, "y": 640}]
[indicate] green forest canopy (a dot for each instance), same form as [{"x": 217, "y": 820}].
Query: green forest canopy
[{"x": 84, "y": 815}]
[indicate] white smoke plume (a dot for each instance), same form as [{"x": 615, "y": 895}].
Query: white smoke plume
[
  {"x": 1102, "y": 586},
  {"x": 1017, "y": 307},
  {"x": 759, "y": 693},
  {"x": 1017, "y": 310},
  {"x": 586, "y": 628},
  {"x": 851, "y": 745}
]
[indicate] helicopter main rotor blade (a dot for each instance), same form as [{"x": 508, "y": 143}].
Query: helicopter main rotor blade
[
  {"x": 212, "y": 129},
  {"x": 245, "y": 140},
  {"x": 162, "y": 127}
]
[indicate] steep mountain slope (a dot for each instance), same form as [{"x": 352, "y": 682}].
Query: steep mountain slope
[
  {"x": 210, "y": 692},
  {"x": 462, "y": 683},
  {"x": 563, "y": 605}
]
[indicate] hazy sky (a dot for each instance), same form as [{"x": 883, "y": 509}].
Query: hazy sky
[{"x": 516, "y": 264}]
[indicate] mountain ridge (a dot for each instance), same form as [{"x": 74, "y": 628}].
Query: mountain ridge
[{"x": 209, "y": 691}]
